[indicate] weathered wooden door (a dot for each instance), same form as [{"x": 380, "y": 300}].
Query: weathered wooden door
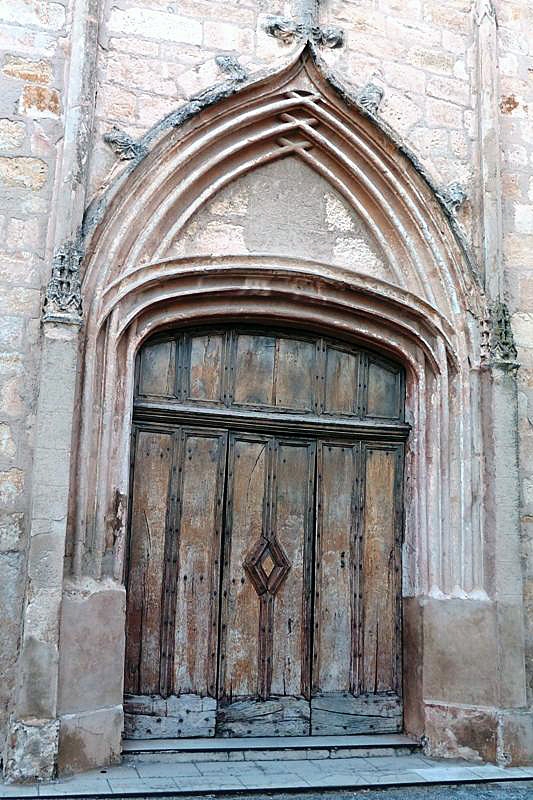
[{"x": 263, "y": 577}]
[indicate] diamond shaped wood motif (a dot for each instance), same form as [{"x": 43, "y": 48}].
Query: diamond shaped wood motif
[{"x": 267, "y": 566}]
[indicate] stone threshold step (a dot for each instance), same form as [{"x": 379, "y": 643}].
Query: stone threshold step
[
  {"x": 273, "y": 789},
  {"x": 268, "y": 748}
]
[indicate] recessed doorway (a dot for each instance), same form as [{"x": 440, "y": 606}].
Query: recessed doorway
[{"x": 263, "y": 573}]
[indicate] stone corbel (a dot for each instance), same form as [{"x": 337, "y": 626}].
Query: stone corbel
[{"x": 62, "y": 301}]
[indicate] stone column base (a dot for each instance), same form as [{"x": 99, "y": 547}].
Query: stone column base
[
  {"x": 90, "y": 739},
  {"x": 500, "y": 736}
]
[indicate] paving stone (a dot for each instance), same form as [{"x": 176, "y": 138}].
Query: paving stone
[{"x": 143, "y": 784}]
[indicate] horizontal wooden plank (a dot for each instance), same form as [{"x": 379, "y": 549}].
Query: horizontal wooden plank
[
  {"x": 283, "y": 716},
  {"x": 156, "y": 717},
  {"x": 279, "y": 422},
  {"x": 342, "y": 713}
]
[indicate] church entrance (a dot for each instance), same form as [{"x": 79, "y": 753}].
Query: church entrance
[{"x": 263, "y": 574}]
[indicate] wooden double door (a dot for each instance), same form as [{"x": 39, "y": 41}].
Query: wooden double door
[{"x": 263, "y": 585}]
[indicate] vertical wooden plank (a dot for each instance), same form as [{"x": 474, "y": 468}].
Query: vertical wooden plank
[
  {"x": 151, "y": 481},
  {"x": 334, "y": 614},
  {"x": 254, "y": 369},
  {"x": 245, "y": 523},
  {"x": 341, "y": 382},
  {"x": 295, "y": 371},
  {"x": 379, "y": 641},
  {"x": 293, "y": 529},
  {"x": 195, "y": 577},
  {"x": 205, "y": 367},
  {"x": 157, "y": 370}
]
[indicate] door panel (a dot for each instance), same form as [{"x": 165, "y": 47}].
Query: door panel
[
  {"x": 150, "y": 501},
  {"x": 264, "y": 666},
  {"x": 379, "y": 632},
  {"x": 263, "y": 588},
  {"x": 182, "y": 571},
  {"x": 357, "y": 646}
]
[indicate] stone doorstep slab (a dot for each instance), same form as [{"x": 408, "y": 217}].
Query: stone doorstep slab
[
  {"x": 266, "y": 748},
  {"x": 438, "y": 775}
]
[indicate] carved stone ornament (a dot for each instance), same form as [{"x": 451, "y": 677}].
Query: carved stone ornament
[
  {"x": 123, "y": 145},
  {"x": 485, "y": 10},
  {"x": 62, "y": 301},
  {"x": 231, "y": 66},
  {"x": 452, "y": 196},
  {"x": 370, "y": 97},
  {"x": 501, "y": 340},
  {"x": 287, "y": 30}
]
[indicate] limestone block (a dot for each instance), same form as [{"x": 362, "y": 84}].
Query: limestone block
[
  {"x": 31, "y": 751},
  {"x": 453, "y": 732},
  {"x": 23, "y": 171},
  {"x": 156, "y": 25},
  {"x": 460, "y": 665},
  {"x": 37, "y": 692},
  {"x": 91, "y": 664},
  {"x": 11, "y": 134},
  {"x": 89, "y": 740},
  {"x": 11, "y": 532},
  {"x": 7, "y": 443},
  {"x": 11, "y": 486},
  {"x": 46, "y": 15},
  {"x": 516, "y": 738},
  {"x": 39, "y": 101},
  {"x": 28, "y": 70},
  {"x": 225, "y": 36}
]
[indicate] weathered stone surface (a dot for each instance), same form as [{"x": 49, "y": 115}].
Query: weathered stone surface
[
  {"x": 91, "y": 739},
  {"x": 31, "y": 750},
  {"x": 23, "y": 171},
  {"x": 516, "y": 738},
  {"x": 11, "y": 134},
  {"x": 92, "y": 647},
  {"x": 28, "y": 70},
  {"x": 39, "y": 101},
  {"x": 461, "y": 732}
]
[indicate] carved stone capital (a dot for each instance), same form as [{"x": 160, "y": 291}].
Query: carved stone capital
[
  {"x": 287, "y": 30},
  {"x": 452, "y": 196},
  {"x": 62, "y": 301},
  {"x": 231, "y": 66},
  {"x": 370, "y": 97},
  {"x": 498, "y": 345},
  {"x": 123, "y": 145}
]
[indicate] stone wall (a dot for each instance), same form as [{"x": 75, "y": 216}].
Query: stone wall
[{"x": 152, "y": 56}]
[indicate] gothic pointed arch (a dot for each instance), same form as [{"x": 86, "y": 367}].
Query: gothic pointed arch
[{"x": 400, "y": 281}]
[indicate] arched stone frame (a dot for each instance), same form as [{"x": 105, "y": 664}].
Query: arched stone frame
[
  {"x": 428, "y": 317},
  {"x": 433, "y": 302}
]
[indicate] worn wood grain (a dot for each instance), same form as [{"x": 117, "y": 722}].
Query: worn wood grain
[
  {"x": 343, "y": 714},
  {"x": 195, "y": 582},
  {"x": 334, "y": 618},
  {"x": 280, "y": 716},
  {"x": 379, "y": 641},
  {"x": 151, "y": 482},
  {"x": 247, "y": 498},
  {"x": 205, "y": 367},
  {"x": 155, "y": 717},
  {"x": 340, "y": 382},
  {"x": 157, "y": 376}
]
